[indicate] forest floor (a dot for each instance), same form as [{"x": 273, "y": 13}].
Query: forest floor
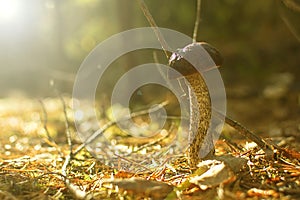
[{"x": 33, "y": 167}]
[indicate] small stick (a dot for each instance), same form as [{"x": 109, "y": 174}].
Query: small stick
[
  {"x": 68, "y": 132},
  {"x": 112, "y": 123},
  {"x": 248, "y": 134},
  {"x": 68, "y": 135},
  {"x": 45, "y": 121},
  {"x": 151, "y": 21},
  {"x": 133, "y": 162},
  {"x": 163, "y": 74},
  {"x": 49, "y": 139},
  {"x": 75, "y": 191},
  {"x": 197, "y": 21},
  {"x": 153, "y": 142}
]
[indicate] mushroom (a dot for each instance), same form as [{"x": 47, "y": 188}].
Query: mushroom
[{"x": 200, "y": 103}]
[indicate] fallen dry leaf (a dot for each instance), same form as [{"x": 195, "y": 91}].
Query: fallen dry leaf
[
  {"x": 217, "y": 173},
  {"x": 145, "y": 188}
]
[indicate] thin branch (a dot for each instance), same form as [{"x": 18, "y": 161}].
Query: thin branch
[
  {"x": 68, "y": 158},
  {"x": 154, "y": 142},
  {"x": 155, "y": 58},
  {"x": 74, "y": 190},
  {"x": 68, "y": 132},
  {"x": 245, "y": 132},
  {"x": 45, "y": 121},
  {"x": 152, "y": 23},
  {"x": 197, "y": 21},
  {"x": 290, "y": 27},
  {"x": 49, "y": 139},
  {"x": 112, "y": 123},
  {"x": 292, "y": 4},
  {"x": 248, "y": 134},
  {"x": 133, "y": 162}
]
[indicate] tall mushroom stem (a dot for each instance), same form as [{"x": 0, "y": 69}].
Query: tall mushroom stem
[
  {"x": 200, "y": 115},
  {"x": 200, "y": 143}
]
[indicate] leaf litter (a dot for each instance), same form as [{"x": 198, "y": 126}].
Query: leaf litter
[{"x": 31, "y": 166}]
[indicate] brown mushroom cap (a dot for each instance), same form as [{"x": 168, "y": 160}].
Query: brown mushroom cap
[{"x": 195, "y": 53}]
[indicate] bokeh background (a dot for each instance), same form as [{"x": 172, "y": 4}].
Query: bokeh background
[{"x": 45, "y": 41}]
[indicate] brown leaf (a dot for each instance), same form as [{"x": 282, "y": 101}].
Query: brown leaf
[
  {"x": 218, "y": 173},
  {"x": 146, "y": 188}
]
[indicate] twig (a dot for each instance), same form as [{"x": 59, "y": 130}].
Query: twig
[
  {"x": 69, "y": 140},
  {"x": 170, "y": 86},
  {"x": 152, "y": 23},
  {"x": 232, "y": 145},
  {"x": 133, "y": 162},
  {"x": 74, "y": 190},
  {"x": 112, "y": 123},
  {"x": 244, "y": 131},
  {"x": 153, "y": 142},
  {"x": 155, "y": 58},
  {"x": 68, "y": 132},
  {"x": 197, "y": 21},
  {"x": 49, "y": 139},
  {"x": 248, "y": 134},
  {"x": 290, "y": 4},
  {"x": 45, "y": 121},
  {"x": 290, "y": 27},
  {"x": 77, "y": 193}
]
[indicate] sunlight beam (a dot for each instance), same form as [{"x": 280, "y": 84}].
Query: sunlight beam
[{"x": 9, "y": 9}]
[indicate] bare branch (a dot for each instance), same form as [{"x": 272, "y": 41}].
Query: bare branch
[
  {"x": 152, "y": 23},
  {"x": 112, "y": 123},
  {"x": 49, "y": 139},
  {"x": 197, "y": 21}
]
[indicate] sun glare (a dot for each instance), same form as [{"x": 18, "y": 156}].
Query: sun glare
[{"x": 9, "y": 9}]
